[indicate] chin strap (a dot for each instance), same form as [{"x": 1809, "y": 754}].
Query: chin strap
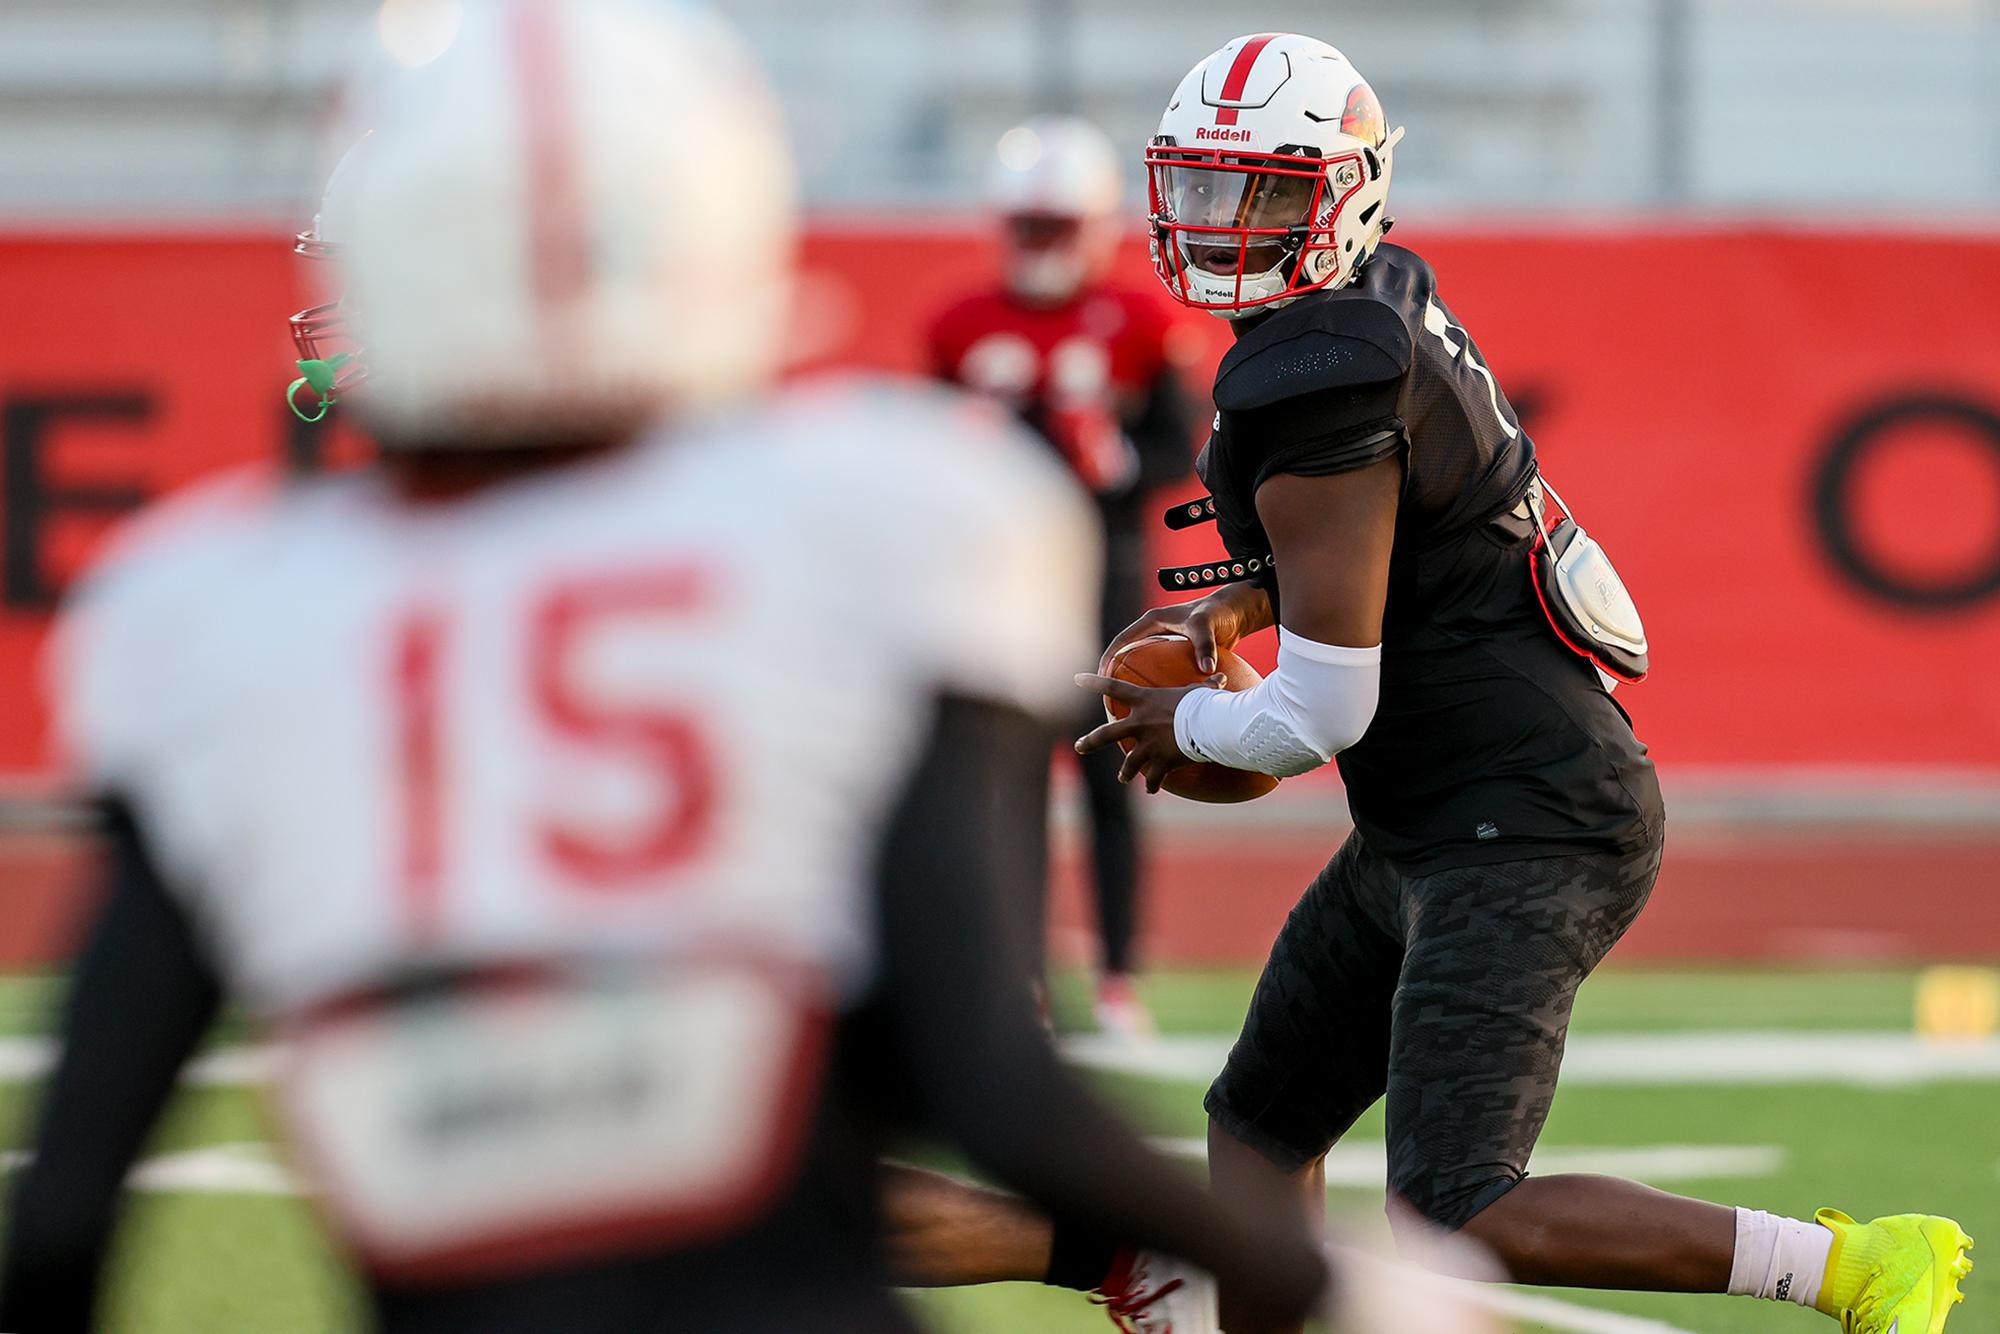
[{"x": 319, "y": 376}]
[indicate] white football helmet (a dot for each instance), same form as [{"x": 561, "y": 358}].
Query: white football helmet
[
  {"x": 578, "y": 216},
  {"x": 1269, "y": 177},
  {"x": 1054, "y": 183}
]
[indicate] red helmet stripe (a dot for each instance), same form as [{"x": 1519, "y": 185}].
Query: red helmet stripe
[
  {"x": 558, "y": 259},
  {"x": 1239, "y": 74}
]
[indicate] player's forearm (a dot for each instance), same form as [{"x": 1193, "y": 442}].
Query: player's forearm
[
  {"x": 942, "y": 1232},
  {"x": 1317, "y": 704},
  {"x": 49, "y": 1282},
  {"x": 1033, "y": 1126},
  {"x": 982, "y": 1069},
  {"x": 1255, "y": 609},
  {"x": 142, "y": 997},
  {"x": 1331, "y": 538},
  {"x": 1245, "y": 607}
]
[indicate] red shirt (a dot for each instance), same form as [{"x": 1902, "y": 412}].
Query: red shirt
[{"x": 1074, "y": 371}]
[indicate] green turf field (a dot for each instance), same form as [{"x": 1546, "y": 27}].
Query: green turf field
[{"x": 217, "y": 1263}]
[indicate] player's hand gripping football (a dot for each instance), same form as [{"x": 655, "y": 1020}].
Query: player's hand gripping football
[
  {"x": 1210, "y": 623},
  {"x": 1149, "y": 726}
]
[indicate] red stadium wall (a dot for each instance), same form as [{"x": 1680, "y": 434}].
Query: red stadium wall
[{"x": 1795, "y": 462}]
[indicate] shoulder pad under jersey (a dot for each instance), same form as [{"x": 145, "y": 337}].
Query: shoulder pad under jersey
[
  {"x": 1320, "y": 343},
  {"x": 122, "y": 654},
  {"x": 981, "y": 559}
]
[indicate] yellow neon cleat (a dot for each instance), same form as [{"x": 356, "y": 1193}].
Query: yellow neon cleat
[{"x": 1896, "y": 1275}]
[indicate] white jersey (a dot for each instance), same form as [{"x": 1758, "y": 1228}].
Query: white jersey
[{"x": 655, "y": 707}]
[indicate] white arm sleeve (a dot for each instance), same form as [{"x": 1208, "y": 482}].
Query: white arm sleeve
[{"x": 1317, "y": 704}]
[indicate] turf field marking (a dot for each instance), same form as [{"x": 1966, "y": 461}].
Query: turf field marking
[
  {"x": 253, "y": 1169},
  {"x": 1869, "y": 1059},
  {"x": 1400, "y": 1276},
  {"x": 1567, "y": 1315},
  {"x": 1365, "y": 1164},
  {"x": 218, "y": 1169},
  {"x": 26, "y": 1059},
  {"x": 1866, "y": 1059}
]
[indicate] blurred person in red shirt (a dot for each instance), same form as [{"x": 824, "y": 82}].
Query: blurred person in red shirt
[{"x": 1094, "y": 368}]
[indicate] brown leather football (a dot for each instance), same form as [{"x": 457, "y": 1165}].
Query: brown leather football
[{"x": 1168, "y": 660}]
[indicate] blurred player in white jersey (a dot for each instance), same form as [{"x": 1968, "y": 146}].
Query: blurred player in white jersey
[{"x": 615, "y": 819}]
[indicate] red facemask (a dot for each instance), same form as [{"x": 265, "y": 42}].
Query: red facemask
[{"x": 1244, "y": 215}]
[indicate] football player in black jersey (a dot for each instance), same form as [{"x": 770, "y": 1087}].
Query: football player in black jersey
[{"x": 1382, "y": 508}]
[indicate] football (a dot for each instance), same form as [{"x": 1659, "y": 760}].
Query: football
[{"x": 1166, "y": 661}]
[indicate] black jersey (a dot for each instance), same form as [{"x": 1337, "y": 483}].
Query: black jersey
[{"x": 1492, "y": 740}]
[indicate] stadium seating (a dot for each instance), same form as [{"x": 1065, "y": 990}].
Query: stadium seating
[{"x": 182, "y": 107}]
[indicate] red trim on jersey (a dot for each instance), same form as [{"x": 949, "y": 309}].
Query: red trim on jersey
[
  {"x": 1239, "y": 75},
  {"x": 419, "y": 654},
  {"x": 556, "y": 253}
]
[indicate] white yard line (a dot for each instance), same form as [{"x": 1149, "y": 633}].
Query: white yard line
[
  {"x": 1568, "y": 1316},
  {"x": 25, "y": 1059},
  {"x": 1393, "y": 1282},
  {"x": 1868, "y": 1059},
  {"x": 218, "y": 1169},
  {"x": 1859, "y": 1059},
  {"x": 1366, "y": 1164},
  {"x": 1864, "y": 1059},
  {"x": 252, "y": 1168}
]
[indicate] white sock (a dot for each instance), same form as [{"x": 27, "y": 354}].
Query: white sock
[{"x": 1779, "y": 1259}]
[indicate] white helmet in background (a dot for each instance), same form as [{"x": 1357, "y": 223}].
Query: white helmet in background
[
  {"x": 576, "y": 217},
  {"x": 1269, "y": 177},
  {"x": 1055, "y": 184}
]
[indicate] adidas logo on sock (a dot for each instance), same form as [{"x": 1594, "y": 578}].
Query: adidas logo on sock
[{"x": 1785, "y": 1288}]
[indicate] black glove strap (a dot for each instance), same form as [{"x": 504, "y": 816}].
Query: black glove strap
[
  {"x": 1180, "y": 578},
  {"x": 1191, "y": 514}
]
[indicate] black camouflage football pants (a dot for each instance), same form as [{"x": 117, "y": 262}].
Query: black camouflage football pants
[{"x": 1449, "y": 993}]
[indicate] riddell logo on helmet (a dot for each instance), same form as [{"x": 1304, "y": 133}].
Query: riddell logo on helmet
[{"x": 1222, "y": 132}]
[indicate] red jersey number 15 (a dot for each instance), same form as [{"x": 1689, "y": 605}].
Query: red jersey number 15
[{"x": 668, "y": 743}]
